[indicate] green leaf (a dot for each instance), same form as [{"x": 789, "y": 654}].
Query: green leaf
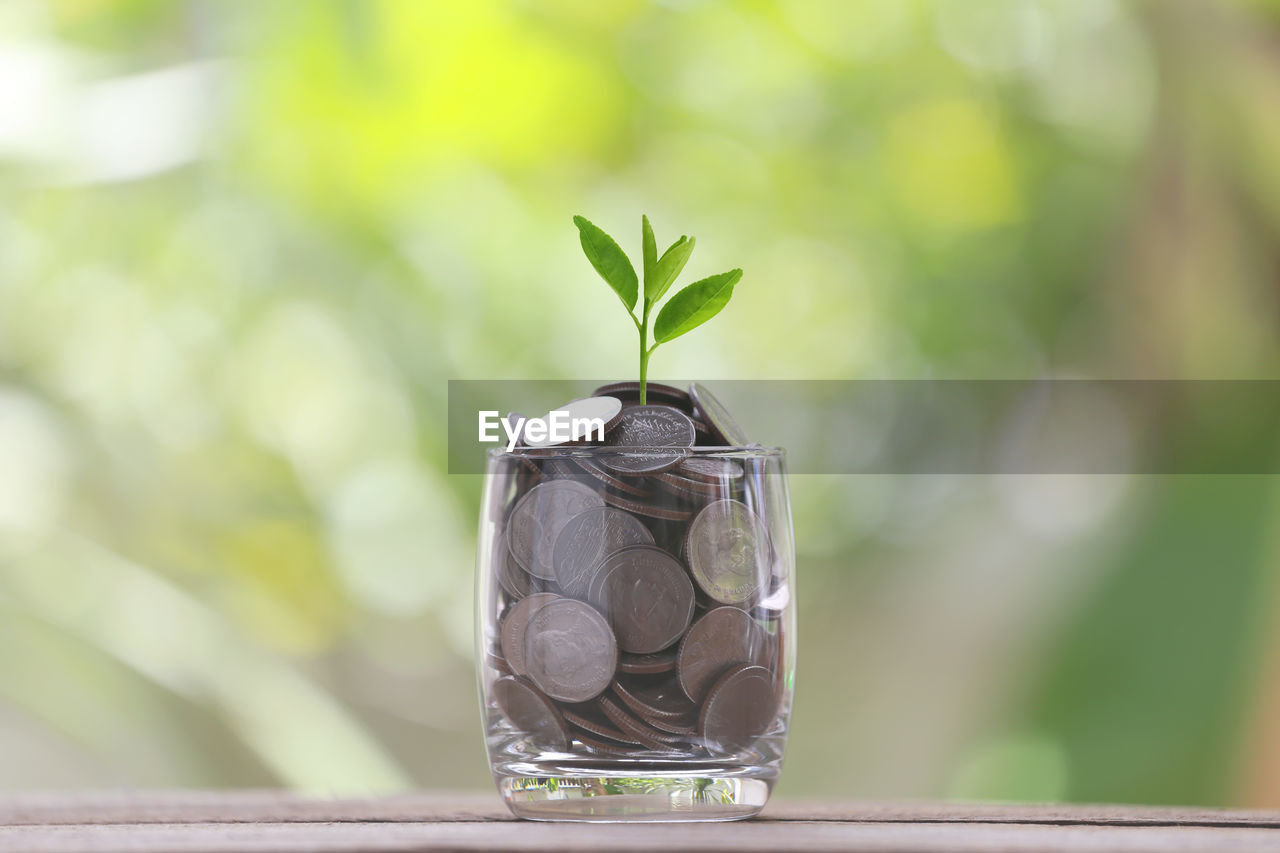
[
  {"x": 609, "y": 260},
  {"x": 669, "y": 267},
  {"x": 650, "y": 251},
  {"x": 694, "y": 305}
]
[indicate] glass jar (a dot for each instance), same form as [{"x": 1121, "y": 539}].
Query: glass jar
[{"x": 636, "y": 630}]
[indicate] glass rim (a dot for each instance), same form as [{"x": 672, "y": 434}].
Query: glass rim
[{"x": 569, "y": 451}]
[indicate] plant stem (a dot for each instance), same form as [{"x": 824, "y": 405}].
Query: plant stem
[{"x": 644, "y": 351}]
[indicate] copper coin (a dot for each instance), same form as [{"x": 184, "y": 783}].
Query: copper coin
[
  {"x": 722, "y": 423},
  {"x": 619, "y": 484},
  {"x": 593, "y": 725},
  {"x": 740, "y": 707},
  {"x": 655, "y": 392},
  {"x": 663, "y": 700},
  {"x": 682, "y": 728},
  {"x": 587, "y": 539},
  {"x": 498, "y": 664},
  {"x": 538, "y": 519},
  {"x": 652, "y": 510},
  {"x": 514, "y": 580},
  {"x": 728, "y": 550},
  {"x": 635, "y": 728},
  {"x": 647, "y": 596},
  {"x": 649, "y": 664},
  {"x": 646, "y": 428},
  {"x": 601, "y": 746},
  {"x": 558, "y": 469},
  {"x": 530, "y": 712},
  {"x": 570, "y": 651},
  {"x": 515, "y": 627},
  {"x": 693, "y": 491},
  {"x": 723, "y": 638}
]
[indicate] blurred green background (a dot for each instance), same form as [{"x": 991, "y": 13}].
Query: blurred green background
[{"x": 243, "y": 245}]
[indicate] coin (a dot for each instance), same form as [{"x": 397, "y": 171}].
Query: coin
[
  {"x": 740, "y": 707},
  {"x": 601, "y": 746},
  {"x": 664, "y": 512},
  {"x": 653, "y": 510},
  {"x": 570, "y": 651},
  {"x": 710, "y": 469},
  {"x": 722, "y": 423},
  {"x": 723, "y": 638},
  {"x": 578, "y": 414},
  {"x": 498, "y": 663},
  {"x": 515, "y": 626},
  {"x": 647, "y": 596},
  {"x": 662, "y": 700},
  {"x": 724, "y": 546},
  {"x": 634, "y": 728},
  {"x": 655, "y": 392},
  {"x": 530, "y": 712},
  {"x": 515, "y": 581},
  {"x": 583, "y": 719},
  {"x": 588, "y": 538},
  {"x": 538, "y": 518},
  {"x": 674, "y": 727},
  {"x": 647, "y": 664},
  {"x": 514, "y": 425},
  {"x": 649, "y": 427},
  {"x": 620, "y": 484},
  {"x": 694, "y": 491}
]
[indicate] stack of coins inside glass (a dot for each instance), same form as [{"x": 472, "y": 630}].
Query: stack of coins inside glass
[{"x": 636, "y": 590}]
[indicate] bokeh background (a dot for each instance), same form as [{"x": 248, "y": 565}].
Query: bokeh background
[{"x": 243, "y": 245}]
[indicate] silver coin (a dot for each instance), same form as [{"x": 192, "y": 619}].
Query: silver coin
[
  {"x": 728, "y": 550},
  {"x": 588, "y": 538},
  {"x": 538, "y": 518},
  {"x": 722, "y": 423},
  {"x": 570, "y": 651},
  {"x": 646, "y": 428},
  {"x": 515, "y": 627},
  {"x": 647, "y": 596}
]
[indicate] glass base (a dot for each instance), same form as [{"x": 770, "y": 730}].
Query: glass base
[{"x": 618, "y": 799}]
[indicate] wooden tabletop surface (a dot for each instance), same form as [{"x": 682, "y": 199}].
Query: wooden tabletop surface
[{"x": 275, "y": 821}]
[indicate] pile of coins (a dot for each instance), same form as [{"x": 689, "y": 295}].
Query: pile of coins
[{"x": 638, "y": 594}]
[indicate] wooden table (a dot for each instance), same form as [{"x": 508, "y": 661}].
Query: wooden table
[{"x": 267, "y": 820}]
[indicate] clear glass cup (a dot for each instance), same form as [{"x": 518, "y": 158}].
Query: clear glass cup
[{"x": 636, "y": 630}]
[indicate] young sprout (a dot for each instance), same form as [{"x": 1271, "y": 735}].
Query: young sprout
[{"x": 685, "y": 311}]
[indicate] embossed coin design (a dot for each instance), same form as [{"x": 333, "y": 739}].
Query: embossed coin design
[
  {"x": 647, "y": 596},
  {"x": 588, "y": 538},
  {"x": 570, "y": 651},
  {"x": 515, "y": 626},
  {"x": 538, "y": 518},
  {"x": 649, "y": 427},
  {"x": 727, "y": 548},
  {"x": 723, "y": 638},
  {"x": 530, "y": 712},
  {"x": 722, "y": 423},
  {"x": 739, "y": 708}
]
